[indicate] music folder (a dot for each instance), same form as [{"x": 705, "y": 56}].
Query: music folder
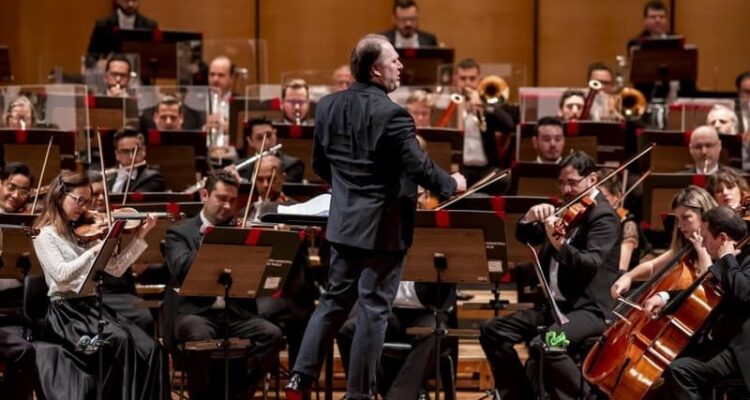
[{"x": 109, "y": 244}]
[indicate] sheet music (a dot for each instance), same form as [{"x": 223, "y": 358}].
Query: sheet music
[{"x": 317, "y": 206}]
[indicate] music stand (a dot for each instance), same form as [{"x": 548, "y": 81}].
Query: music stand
[
  {"x": 241, "y": 263},
  {"x": 298, "y": 142},
  {"x": 18, "y": 255},
  {"x": 663, "y": 60},
  {"x": 422, "y": 65},
  {"x": 5, "y": 70},
  {"x": 161, "y": 51},
  {"x": 445, "y": 145},
  {"x": 93, "y": 286},
  {"x": 473, "y": 240},
  {"x": 535, "y": 179},
  {"x": 30, "y": 146}
]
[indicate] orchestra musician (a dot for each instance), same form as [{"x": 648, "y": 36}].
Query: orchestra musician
[
  {"x": 688, "y": 207},
  {"x": 571, "y": 104},
  {"x": 548, "y": 140},
  {"x": 66, "y": 262},
  {"x": 369, "y": 230},
  {"x": 19, "y": 358},
  {"x": 728, "y": 187},
  {"x": 580, "y": 266},
  {"x": 104, "y": 40},
  {"x": 723, "y": 348},
  {"x": 405, "y": 32},
  {"x": 705, "y": 150},
  {"x": 341, "y": 79},
  {"x": 631, "y": 244},
  {"x": 295, "y": 102},
  {"x": 129, "y": 143},
  {"x": 201, "y": 318},
  {"x": 15, "y": 189},
  {"x": 723, "y": 119},
  {"x": 419, "y": 107},
  {"x": 19, "y": 114},
  {"x": 117, "y": 75},
  {"x": 292, "y": 167}
]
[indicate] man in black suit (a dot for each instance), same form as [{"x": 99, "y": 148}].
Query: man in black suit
[
  {"x": 723, "y": 350},
  {"x": 366, "y": 147},
  {"x": 292, "y": 167},
  {"x": 201, "y": 318},
  {"x": 405, "y": 33},
  {"x": 579, "y": 266},
  {"x": 742, "y": 105},
  {"x": 143, "y": 178},
  {"x": 705, "y": 150},
  {"x": 105, "y": 39},
  {"x": 655, "y": 23}
]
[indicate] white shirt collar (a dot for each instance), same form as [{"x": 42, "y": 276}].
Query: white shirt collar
[
  {"x": 125, "y": 21},
  {"x": 404, "y": 42}
]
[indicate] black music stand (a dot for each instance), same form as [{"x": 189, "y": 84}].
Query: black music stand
[
  {"x": 93, "y": 286},
  {"x": 660, "y": 60},
  {"x": 534, "y": 179},
  {"x": 159, "y": 51},
  {"x": 298, "y": 142},
  {"x": 445, "y": 145},
  {"x": 422, "y": 65},
  {"x": 18, "y": 255},
  {"x": 471, "y": 240},
  {"x": 240, "y": 263},
  {"x": 5, "y": 70}
]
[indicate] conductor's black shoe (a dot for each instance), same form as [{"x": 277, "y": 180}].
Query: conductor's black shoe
[
  {"x": 298, "y": 387},
  {"x": 463, "y": 296}
]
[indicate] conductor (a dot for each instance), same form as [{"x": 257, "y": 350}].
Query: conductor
[{"x": 366, "y": 147}]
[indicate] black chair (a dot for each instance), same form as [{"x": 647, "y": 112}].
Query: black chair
[{"x": 448, "y": 358}]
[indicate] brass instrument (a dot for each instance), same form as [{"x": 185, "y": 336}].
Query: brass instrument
[
  {"x": 629, "y": 103},
  {"x": 493, "y": 89},
  {"x": 594, "y": 88}
]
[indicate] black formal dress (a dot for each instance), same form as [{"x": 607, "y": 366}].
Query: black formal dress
[
  {"x": 587, "y": 268},
  {"x": 366, "y": 147},
  {"x": 725, "y": 352},
  {"x": 197, "y": 319},
  {"x": 425, "y": 39},
  {"x": 105, "y": 38}
]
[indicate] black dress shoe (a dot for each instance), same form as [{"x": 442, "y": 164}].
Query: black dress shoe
[
  {"x": 463, "y": 296},
  {"x": 298, "y": 387}
]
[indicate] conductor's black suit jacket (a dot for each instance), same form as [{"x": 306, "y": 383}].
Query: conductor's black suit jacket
[{"x": 366, "y": 147}]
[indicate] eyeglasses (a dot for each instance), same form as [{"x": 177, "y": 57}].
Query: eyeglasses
[
  {"x": 569, "y": 182},
  {"x": 21, "y": 191},
  {"x": 80, "y": 200}
]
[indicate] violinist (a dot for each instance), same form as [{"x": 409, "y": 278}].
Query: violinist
[
  {"x": 15, "y": 187},
  {"x": 580, "y": 266},
  {"x": 128, "y": 144},
  {"x": 688, "y": 206},
  {"x": 119, "y": 291},
  {"x": 66, "y": 263},
  {"x": 727, "y": 186},
  {"x": 630, "y": 244},
  {"x": 200, "y": 318},
  {"x": 723, "y": 351}
]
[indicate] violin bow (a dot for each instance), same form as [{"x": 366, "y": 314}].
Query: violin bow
[
  {"x": 270, "y": 184},
  {"x": 557, "y": 315},
  {"x": 130, "y": 174},
  {"x": 41, "y": 176},
  {"x": 635, "y": 184},
  {"x": 491, "y": 178},
  {"x": 252, "y": 183},
  {"x": 104, "y": 177},
  {"x": 609, "y": 176}
]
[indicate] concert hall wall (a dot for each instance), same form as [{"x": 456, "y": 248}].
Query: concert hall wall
[{"x": 319, "y": 34}]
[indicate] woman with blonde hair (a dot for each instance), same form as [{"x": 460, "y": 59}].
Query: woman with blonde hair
[{"x": 688, "y": 207}]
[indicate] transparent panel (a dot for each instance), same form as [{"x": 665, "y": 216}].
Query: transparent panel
[
  {"x": 249, "y": 56},
  {"x": 688, "y": 113}
]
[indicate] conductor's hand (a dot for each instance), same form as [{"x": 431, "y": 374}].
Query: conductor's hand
[
  {"x": 539, "y": 212},
  {"x": 460, "y": 182},
  {"x": 148, "y": 224}
]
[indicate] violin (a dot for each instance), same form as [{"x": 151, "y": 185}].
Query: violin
[
  {"x": 91, "y": 225},
  {"x": 572, "y": 215}
]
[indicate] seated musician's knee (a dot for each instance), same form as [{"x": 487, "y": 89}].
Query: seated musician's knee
[{"x": 192, "y": 328}]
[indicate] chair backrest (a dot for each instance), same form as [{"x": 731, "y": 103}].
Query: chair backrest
[{"x": 35, "y": 300}]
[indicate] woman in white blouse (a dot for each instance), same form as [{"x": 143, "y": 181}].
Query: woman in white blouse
[{"x": 135, "y": 365}]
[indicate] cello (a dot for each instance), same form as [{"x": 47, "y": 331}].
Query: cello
[{"x": 632, "y": 354}]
